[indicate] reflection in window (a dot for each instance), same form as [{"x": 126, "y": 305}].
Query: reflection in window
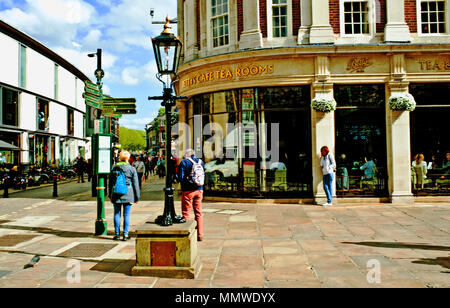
[
  {"x": 70, "y": 122},
  {"x": 10, "y": 104},
  {"x": 43, "y": 115},
  {"x": 251, "y": 146}
]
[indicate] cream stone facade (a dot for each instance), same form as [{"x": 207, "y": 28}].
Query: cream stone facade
[{"x": 320, "y": 61}]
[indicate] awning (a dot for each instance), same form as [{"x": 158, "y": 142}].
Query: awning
[{"x": 6, "y": 146}]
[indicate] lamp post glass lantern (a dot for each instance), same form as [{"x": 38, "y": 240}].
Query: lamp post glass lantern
[{"x": 167, "y": 49}]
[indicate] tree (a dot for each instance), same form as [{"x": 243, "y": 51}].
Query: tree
[{"x": 131, "y": 139}]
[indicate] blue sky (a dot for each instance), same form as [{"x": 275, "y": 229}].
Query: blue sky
[{"x": 121, "y": 28}]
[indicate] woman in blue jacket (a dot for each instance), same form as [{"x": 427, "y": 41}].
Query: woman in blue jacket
[{"x": 124, "y": 201}]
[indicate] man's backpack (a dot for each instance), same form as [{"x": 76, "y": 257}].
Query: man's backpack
[
  {"x": 120, "y": 186},
  {"x": 197, "y": 176}
]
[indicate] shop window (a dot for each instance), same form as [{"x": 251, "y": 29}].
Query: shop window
[
  {"x": 244, "y": 136},
  {"x": 288, "y": 97},
  {"x": 430, "y": 141},
  {"x": 357, "y": 17},
  {"x": 9, "y": 99},
  {"x": 219, "y": 22},
  {"x": 10, "y": 158},
  {"x": 70, "y": 122},
  {"x": 361, "y": 140},
  {"x": 432, "y": 17},
  {"x": 31, "y": 149},
  {"x": 43, "y": 114}
]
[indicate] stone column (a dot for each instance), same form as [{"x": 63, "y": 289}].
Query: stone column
[
  {"x": 251, "y": 37},
  {"x": 396, "y": 29},
  {"x": 190, "y": 30},
  {"x": 322, "y": 129},
  {"x": 321, "y": 31},
  {"x": 305, "y": 19},
  {"x": 398, "y": 138}
]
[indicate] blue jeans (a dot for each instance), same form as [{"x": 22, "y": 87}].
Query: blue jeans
[
  {"x": 328, "y": 186},
  {"x": 126, "y": 218}
]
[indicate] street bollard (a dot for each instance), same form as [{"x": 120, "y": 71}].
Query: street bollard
[
  {"x": 5, "y": 187},
  {"x": 55, "y": 186}
]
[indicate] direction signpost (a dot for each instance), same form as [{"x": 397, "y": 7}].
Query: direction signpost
[{"x": 107, "y": 106}]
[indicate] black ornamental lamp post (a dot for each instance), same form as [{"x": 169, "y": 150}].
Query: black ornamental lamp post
[{"x": 167, "y": 49}]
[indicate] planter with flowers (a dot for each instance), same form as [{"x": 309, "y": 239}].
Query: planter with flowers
[
  {"x": 323, "y": 104},
  {"x": 402, "y": 102}
]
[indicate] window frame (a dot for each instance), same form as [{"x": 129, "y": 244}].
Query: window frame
[
  {"x": 17, "y": 108},
  {"x": 23, "y": 59},
  {"x": 270, "y": 22},
  {"x": 371, "y": 19},
  {"x": 209, "y": 27},
  {"x": 419, "y": 19}
]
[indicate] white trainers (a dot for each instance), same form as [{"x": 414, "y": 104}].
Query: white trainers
[{"x": 327, "y": 204}]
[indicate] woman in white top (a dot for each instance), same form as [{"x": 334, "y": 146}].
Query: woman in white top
[
  {"x": 419, "y": 169},
  {"x": 328, "y": 165}
]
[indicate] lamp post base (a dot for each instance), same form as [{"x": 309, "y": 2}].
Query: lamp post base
[
  {"x": 101, "y": 227},
  {"x": 169, "y": 217}
]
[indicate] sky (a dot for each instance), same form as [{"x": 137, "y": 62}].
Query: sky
[{"x": 121, "y": 28}]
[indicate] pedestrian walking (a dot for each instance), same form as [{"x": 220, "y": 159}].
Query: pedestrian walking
[
  {"x": 140, "y": 168},
  {"x": 328, "y": 165},
  {"x": 191, "y": 177},
  {"x": 161, "y": 168},
  {"x": 123, "y": 172},
  {"x": 79, "y": 166}
]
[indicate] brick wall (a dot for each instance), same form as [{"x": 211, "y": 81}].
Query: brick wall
[
  {"x": 263, "y": 17},
  {"x": 295, "y": 16},
  {"x": 240, "y": 17},
  {"x": 380, "y": 15},
  {"x": 411, "y": 15},
  {"x": 334, "y": 15}
]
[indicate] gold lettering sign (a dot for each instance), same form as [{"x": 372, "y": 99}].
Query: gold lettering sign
[
  {"x": 358, "y": 65},
  {"x": 228, "y": 73},
  {"x": 435, "y": 65}
]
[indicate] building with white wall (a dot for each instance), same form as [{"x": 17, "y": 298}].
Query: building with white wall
[{"x": 42, "y": 111}]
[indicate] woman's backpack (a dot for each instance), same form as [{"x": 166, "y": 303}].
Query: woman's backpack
[{"x": 120, "y": 186}]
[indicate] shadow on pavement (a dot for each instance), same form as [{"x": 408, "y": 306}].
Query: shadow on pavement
[
  {"x": 400, "y": 245},
  {"x": 442, "y": 261},
  {"x": 60, "y": 233},
  {"x": 120, "y": 266}
]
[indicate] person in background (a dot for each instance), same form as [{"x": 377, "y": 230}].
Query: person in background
[
  {"x": 342, "y": 172},
  {"x": 328, "y": 165},
  {"x": 191, "y": 193},
  {"x": 140, "y": 168},
  {"x": 368, "y": 168},
  {"x": 124, "y": 201},
  {"x": 419, "y": 169},
  {"x": 79, "y": 166}
]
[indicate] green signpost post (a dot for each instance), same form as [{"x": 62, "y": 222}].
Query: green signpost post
[{"x": 101, "y": 143}]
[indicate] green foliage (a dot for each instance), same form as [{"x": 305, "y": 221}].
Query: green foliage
[{"x": 131, "y": 139}]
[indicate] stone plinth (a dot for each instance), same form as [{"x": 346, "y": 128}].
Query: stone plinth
[{"x": 167, "y": 252}]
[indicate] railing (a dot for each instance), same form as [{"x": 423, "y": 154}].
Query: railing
[
  {"x": 354, "y": 186},
  {"x": 249, "y": 184},
  {"x": 432, "y": 184}
]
